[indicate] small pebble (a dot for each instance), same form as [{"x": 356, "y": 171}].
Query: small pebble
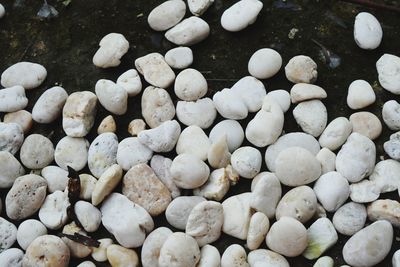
[
  {"x": 157, "y": 106},
  {"x": 161, "y": 138},
  {"x": 350, "y": 218},
  {"x": 396, "y": 259},
  {"x": 72, "y": 152},
  {"x": 56, "y": 178},
  {"x": 119, "y": 256},
  {"x": 77, "y": 249},
  {"x": 8, "y": 234},
  {"x": 327, "y": 159},
  {"x": 188, "y": 171},
  {"x": 360, "y": 95},
  {"x": 130, "y": 81},
  {"x": 132, "y": 152},
  {"x": 49, "y": 105},
  {"x": 388, "y": 67},
  {"x": 106, "y": 183},
  {"x": 261, "y": 257},
  {"x": 237, "y": 215},
  {"x": 166, "y": 15},
  {"x": 190, "y": 85},
  {"x": 240, "y": 15},
  {"x": 102, "y": 153},
  {"x": 28, "y": 231},
  {"x": 282, "y": 97},
  {"x": 384, "y": 209},
  {"x": 155, "y": 70},
  {"x": 367, "y": 31},
  {"x": 218, "y": 155},
  {"x": 232, "y": 130},
  {"x": 13, "y": 99},
  {"x": 161, "y": 167},
  {"x": 264, "y": 63},
  {"x": 258, "y": 229},
  {"x": 209, "y": 257},
  {"x": 324, "y": 261},
  {"x": 136, "y": 126},
  {"x": 86, "y": 264},
  {"x": 88, "y": 215},
  {"x": 391, "y": 114},
  {"x": 178, "y": 210},
  {"x": 27, "y": 74},
  {"x": 321, "y": 236},
  {"x": 179, "y": 57},
  {"x": 198, "y": 7},
  {"x": 246, "y": 161},
  {"x": 266, "y": 193},
  {"x": 53, "y": 212},
  {"x": 112, "y": 97},
  {"x": 10, "y": 169},
  {"x": 201, "y": 113},
  {"x": 2, "y": 11},
  {"x": 180, "y": 250},
  {"x": 301, "y": 69},
  {"x": 113, "y": 47},
  {"x": 88, "y": 183},
  {"x": 100, "y": 254},
  {"x": 23, "y": 118},
  {"x": 11, "y": 137},
  {"x": 366, "y": 123},
  {"x": 392, "y": 147},
  {"x": 36, "y": 152},
  {"x": 107, "y": 125},
  {"x": 311, "y": 116},
  {"x": 11, "y": 257},
  {"x": 193, "y": 141},
  {"x": 234, "y": 256},
  {"x": 386, "y": 175},
  {"x": 188, "y": 32},
  {"x": 152, "y": 246},
  {"x": 364, "y": 191},
  {"x": 303, "y": 91}
]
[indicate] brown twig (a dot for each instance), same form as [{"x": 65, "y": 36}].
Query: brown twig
[{"x": 372, "y": 4}]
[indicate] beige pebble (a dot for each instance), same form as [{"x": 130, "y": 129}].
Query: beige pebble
[
  {"x": 107, "y": 125},
  {"x": 119, "y": 256},
  {"x": 218, "y": 154},
  {"x": 385, "y": 209},
  {"x": 258, "y": 229},
  {"x": 88, "y": 183},
  {"x": 136, "y": 126},
  {"x": 106, "y": 183},
  {"x": 77, "y": 250},
  {"x": 367, "y": 124},
  {"x": 100, "y": 254},
  {"x": 23, "y": 118}
]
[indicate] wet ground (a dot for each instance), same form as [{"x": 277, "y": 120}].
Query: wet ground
[{"x": 65, "y": 46}]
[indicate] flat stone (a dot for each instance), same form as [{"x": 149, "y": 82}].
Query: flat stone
[{"x": 303, "y": 91}]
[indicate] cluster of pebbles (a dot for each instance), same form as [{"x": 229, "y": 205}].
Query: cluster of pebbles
[{"x": 329, "y": 167}]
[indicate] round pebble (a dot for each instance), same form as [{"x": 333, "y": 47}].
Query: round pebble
[
  {"x": 13, "y": 99},
  {"x": 188, "y": 171},
  {"x": 301, "y": 69},
  {"x": 388, "y": 72},
  {"x": 180, "y": 250},
  {"x": 367, "y": 31},
  {"x": 8, "y": 234},
  {"x": 178, "y": 210},
  {"x": 366, "y": 123},
  {"x": 152, "y": 246},
  {"x": 264, "y": 63},
  {"x": 102, "y": 153},
  {"x": 166, "y": 15},
  {"x": 190, "y": 85},
  {"x": 72, "y": 152},
  {"x": 11, "y": 257},
  {"x": 27, "y": 74},
  {"x": 179, "y": 57},
  {"x": 240, "y": 15},
  {"x": 49, "y": 105},
  {"x": 350, "y": 218},
  {"x": 132, "y": 152},
  {"x": 246, "y": 161},
  {"x": 22, "y": 117},
  {"x": 10, "y": 169},
  {"x": 28, "y": 231},
  {"x": 360, "y": 95}
]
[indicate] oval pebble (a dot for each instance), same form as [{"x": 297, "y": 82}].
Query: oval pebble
[
  {"x": 237, "y": 215},
  {"x": 13, "y": 99},
  {"x": 28, "y": 231},
  {"x": 232, "y": 130},
  {"x": 49, "y": 105},
  {"x": 119, "y": 256},
  {"x": 132, "y": 152},
  {"x": 188, "y": 171},
  {"x": 366, "y": 123},
  {"x": 282, "y": 97},
  {"x": 53, "y": 212},
  {"x": 246, "y": 161},
  {"x": 391, "y": 114},
  {"x": 336, "y": 133},
  {"x": 190, "y": 85},
  {"x": 166, "y": 15},
  {"x": 102, "y": 153},
  {"x": 303, "y": 91},
  {"x": 209, "y": 257},
  {"x": 188, "y": 32},
  {"x": 367, "y": 31},
  {"x": 10, "y": 169},
  {"x": 112, "y": 47},
  {"x": 179, "y": 57},
  {"x": 36, "y": 152},
  {"x": 350, "y": 218},
  {"x": 386, "y": 175},
  {"x": 384, "y": 209},
  {"x": 11, "y": 257},
  {"x": 22, "y": 117},
  {"x": 388, "y": 72},
  {"x": 157, "y": 106},
  {"x": 8, "y": 234},
  {"x": 360, "y": 94},
  {"x": 301, "y": 69},
  {"x": 264, "y": 63},
  {"x": 27, "y": 74},
  {"x": 180, "y": 250},
  {"x": 178, "y": 210},
  {"x": 258, "y": 257},
  {"x": 161, "y": 167},
  {"x": 72, "y": 152},
  {"x": 311, "y": 116},
  {"x": 11, "y": 137},
  {"x": 152, "y": 246},
  {"x": 364, "y": 191},
  {"x": 258, "y": 229},
  {"x": 240, "y": 15},
  {"x": 88, "y": 215}
]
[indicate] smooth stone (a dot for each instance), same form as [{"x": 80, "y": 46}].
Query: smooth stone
[
  {"x": 36, "y": 152},
  {"x": 370, "y": 245},
  {"x": 367, "y": 31},
  {"x": 130, "y": 81},
  {"x": 301, "y": 69},
  {"x": 229, "y": 105},
  {"x": 11, "y": 137},
  {"x": 161, "y": 138},
  {"x": 136, "y": 126},
  {"x": 13, "y": 99},
  {"x": 303, "y": 92},
  {"x": 232, "y": 130},
  {"x": 53, "y": 212},
  {"x": 336, "y": 133},
  {"x": 161, "y": 167},
  {"x": 356, "y": 159},
  {"x": 28, "y": 231},
  {"x": 264, "y": 63},
  {"x": 237, "y": 215},
  {"x": 311, "y": 116},
  {"x": 112, "y": 48},
  {"x": 324, "y": 261},
  {"x": 8, "y": 234},
  {"x": 86, "y": 264},
  {"x": 179, "y": 250},
  {"x": 386, "y": 175},
  {"x": 350, "y": 218},
  {"x": 218, "y": 155},
  {"x": 88, "y": 183},
  {"x": 266, "y": 193},
  {"x": 396, "y": 259},
  {"x": 288, "y": 237},
  {"x": 246, "y": 161},
  {"x": 177, "y": 212},
  {"x": 179, "y": 57},
  {"x": 234, "y": 256},
  {"x": 22, "y": 117},
  {"x": 10, "y": 169},
  {"x": 27, "y": 74},
  {"x": 2, "y": 11},
  {"x": 299, "y": 203},
  {"x": 132, "y": 152},
  {"x": 107, "y": 125},
  {"x": 391, "y": 114},
  {"x": 166, "y": 15},
  {"x": 201, "y": 113},
  {"x": 282, "y": 97},
  {"x": 188, "y": 32},
  {"x": 388, "y": 67},
  {"x": 209, "y": 257},
  {"x": 152, "y": 246},
  {"x": 106, "y": 183},
  {"x": 88, "y": 215},
  {"x": 102, "y": 153},
  {"x": 216, "y": 186},
  {"x": 360, "y": 94},
  {"x": 193, "y": 141},
  {"x": 47, "y": 250},
  {"x": 198, "y": 7},
  {"x": 49, "y": 105},
  {"x": 157, "y": 106},
  {"x": 258, "y": 229},
  {"x": 56, "y": 178},
  {"x": 364, "y": 191},
  {"x": 262, "y": 257},
  {"x": 190, "y": 85},
  {"x": 112, "y": 97},
  {"x": 11, "y": 257},
  {"x": 72, "y": 152},
  {"x": 100, "y": 254},
  {"x": 127, "y": 221},
  {"x": 155, "y": 70},
  {"x": 296, "y": 139},
  {"x": 327, "y": 159},
  {"x": 25, "y": 196},
  {"x": 384, "y": 209},
  {"x": 119, "y": 256},
  {"x": 321, "y": 236},
  {"x": 251, "y": 91},
  {"x": 240, "y": 15},
  {"x": 188, "y": 171},
  {"x": 77, "y": 249},
  {"x": 366, "y": 123},
  {"x": 79, "y": 113}
]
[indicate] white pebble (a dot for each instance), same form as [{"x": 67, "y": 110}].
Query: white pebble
[
  {"x": 216, "y": 186},
  {"x": 13, "y": 99},
  {"x": 190, "y": 85},
  {"x": 198, "y": 7},
  {"x": 396, "y": 259},
  {"x": 386, "y": 175},
  {"x": 209, "y": 257},
  {"x": 2, "y": 11},
  {"x": 240, "y": 15},
  {"x": 327, "y": 159},
  {"x": 161, "y": 167},
  {"x": 102, "y": 153},
  {"x": 107, "y": 125},
  {"x": 251, "y": 91},
  {"x": 179, "y": 57},
  {"x": 11, "y": 137},
  {"x": 11, "y": 257},
  {"x": 53, "y": 213},
  {"x": 303, "y": 91},
  {"x": 179, "y": 250},
  {"x": 77, "y": 249},
  {"x": 264, "y": 257},
  {"x": 366, "y": 123},
  {"x": 234, "y": 256},
  {"x": 232, "y": 130},
  {"x": 88, "y": 215},
  {"x": 282, "y": 97},
  {"x": 201, "y": 113},
  {"x": 136, "y": 126},
  {"x": 258, "y": 229},
  {"x": 49, "y": 105},
  {"x": 119, "y": 256},
  {"x": 391, "y": 114},
  {"x": 301, "y": 69},
  {"x": 36, "y": 152},
  {"x": 360, "y": 94},
  {"x": 266, "y": 193},
  {"x": 162, "y": 138},
  {"x": 56, "y": 178},
  {"x": 8, "y": 234},
  {"x": 188, "y": 171},
  {"x": 336, "y": 133},
  {"x": 324, "y": 261},
  {"x": 311, "y": 116},
  {"x": 22, "y": 117},
  {"x": 218, "y": 155},
  {"x": 88, "y": 183},
  {"x": 130, "y": 81},
  {"x": 178, "y": 210},
  {"x": 237, "y": 215},
  {"x": 155, "y": 70},
  {"x": 106, "y": 183},
  {"x": 157, "y": 106},
  {"x": 72, "y": 152},
  {"x": 27, "y": 74},
  {"x": 264, "y": 63},
  {"x": 10, "y": 169},
  {"x": 188, "y": 32},
  {"x": 193, "y": 141},
  {"x": 112, "y": 97},
  {"x": 350, "y": 218},
  {"x": 367, "y": 31},
  {"x": 229, "y": 105},
  {"x": 166, "y": 15},
  {"x": 364, "y": 191},
  {"x": 100, "y": 254},
  {"x": 384, "y": 209},
  {"x": 152, "y": 246},
  {"x": 246, "y": 161},
  {"x": 28, "y": 231},
  {"x": 113, "y": 47},
  {"x": 388, "y": 67}
]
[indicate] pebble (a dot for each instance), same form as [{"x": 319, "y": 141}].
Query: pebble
[
  {"x": 240, "y": 15},
  {"x": 177, "y": 212},
  {"x": 113, "y": 47},
  {"x": 392, "y": 146},
  {"x": 2, "y": 11},
  {"x": 47, "y": 250},
  {"x": 188, "y": 32},
  {"x": 364, "y": 191},
  {"x": 336, "y": 133},
  {"x": 246, "y": 161},
  {"x": 198, "y": 7},
  {"x": 229, "y": 105},
  {"x": 190, "y": 85},
  {"x": 106, "y": 183},
  {"x": 232, "y": 130},
  {"x": 251, "y": 91},
  {"x": 49, "y": 105},
  {"x": 77, "y": 249},
  {"x": 13, "y": 99},
  {"x": 386, "y": 175},
  {"x": 264, "y": 257},
  {"x": 264, "y": 63},
  {"x": 299, "y": 203},
  {"x": 193, "y": 141},
  {"x": 296, "y": 139},
  {"x": 79, "y": 113},
  {"x": 112, "y": 97},
  {"x": 396, "y": 259},
  {"x": 350, "y": 218},
  {"x": 136, "y": 126},
  {"x": 155, "y": 70},
  {"x": 53, "y": 212},
  {"x": 119, "y": 256},
  {"x": 332, "y": 190},
  {"x": 301, "y": 69},
  {"x": 180, "y": 250},
  {"x": 107, "y": 125},
  {"x": 72, "y": 152},
  {"x": 311, "y": 116},
  {"x": 356, "y": 159},
  {"x": 266, "y": 193},
  {"x": 288, "y": 237},
  {"x": 27, "y": 74},
  {"x": 11, "y": 257},
  {"x": 282, "y": 97},
  {"x": 360, "y": 94},
  {"x": 132, "y": 152},
  {"x": 234, "y": 256},
  {"x": 88, "y": 183},
  {"x": 28, "y": 231},
  {"x": 201, "y": 113},
  {"x": 10, "y": 169},
  {"x": 86, "y": 264},
  {"x": 237, "y": 215},
  {"x": 161, "y": 167},
  {"x": 209, "y": 257},
  {"x": 25, "y": 196},
  {"x": 324, "y": 261},
  {"x": 218, "y": 154},
  {"x": 391, "y": 114},
  {"x": 157, "y": 106},
  {"x": 388, "y": 67},
  {"x": 130, "y": 81},
  {"x": 305, "y": 168},
  {"x": 36, "y": 152},
  {"x": 216, "y": 186},
  {"x": 56, "y": 178},
  {"x": 141, "y": 185},
  {"x": 8, "y": 234},
  {"x": 166, "y": 15},
  {"x": 188, "y": 171},
  {"x": 11, "y": 137},
  {"x": 161, "y": 138},
  {"x": 370, "y": 245},
  {"x": 303, "y": 92},
  {"x": 100, "y": 254},
  {"x": 366, "y": 123},
  {"x": 23, "y": 118},
  {"x": 179, "y": 57},
  {"x": 102, "y": 153},
  {"x": 367, "y": 31},
  {"x": 384, "y": 209},
  {"x": 152, "y": 246},
  {"x": 321, "y": 236},
  {"x": 258, "y": 229},
  {"x": 327, "y": 159},
  {"x": 88, "y": 215},
  {"x": 127, "y": 221}
]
